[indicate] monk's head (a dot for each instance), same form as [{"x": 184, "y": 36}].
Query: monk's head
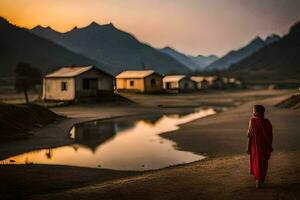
[{"x": 259, "y": 109}]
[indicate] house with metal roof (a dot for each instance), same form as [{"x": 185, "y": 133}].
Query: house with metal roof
[
  {"x": 178, "y": 83},
  {"x": 201, "y": 82},
  {"x": 144, "y": 81},
  {"x": 73, "y": 83}
]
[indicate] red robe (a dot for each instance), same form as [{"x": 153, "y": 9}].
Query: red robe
[{"x": 261, "y": 136}]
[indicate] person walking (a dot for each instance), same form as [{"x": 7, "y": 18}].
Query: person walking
[{"x": 260, "y": 138}]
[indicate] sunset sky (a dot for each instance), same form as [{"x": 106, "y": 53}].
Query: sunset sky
[{"x": 192, "y": 26}]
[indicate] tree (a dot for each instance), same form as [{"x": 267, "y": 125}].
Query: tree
[{"x": 26, "y": 78}]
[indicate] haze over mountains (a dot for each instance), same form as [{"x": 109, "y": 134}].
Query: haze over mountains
[
  {"x": 117, "y": 49},
  {"x": 279, "y": 60},
  {"x": 237, "y": 55},
  {"x": 204, "y": 61},
  {"x": 197, "y": 63},
  {"x": 114, "y": 50},
  {"x": 19, "y": 45}
]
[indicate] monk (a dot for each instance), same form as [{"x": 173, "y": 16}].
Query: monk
[{"x": 260, "y": 138}]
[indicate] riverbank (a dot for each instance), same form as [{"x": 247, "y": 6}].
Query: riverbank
[
  {"x": 224, "y": 178},
  {"x": 221, "y": 137},
  {"x": 16, "y": 121}
]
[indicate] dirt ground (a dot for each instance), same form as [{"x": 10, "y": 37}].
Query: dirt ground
[
  {"x": 223, "y": 178},
  {"x": 224, "y": 175}
]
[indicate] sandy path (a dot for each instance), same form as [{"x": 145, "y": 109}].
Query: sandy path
[{"x": 223, "y": 178}]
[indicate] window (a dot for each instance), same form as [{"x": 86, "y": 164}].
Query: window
[
  {"x": 64, "y": 86},
  {"x": 153, "y": 83},
  {"x": 131, "y": 83}
]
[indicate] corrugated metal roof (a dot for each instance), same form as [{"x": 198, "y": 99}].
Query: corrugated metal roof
[
  {"x": 69, "y": 71},
  {"x": 198, "y": 78},
  {"x": 135, "y": 74},
  {"x": 173, "y": 78}
]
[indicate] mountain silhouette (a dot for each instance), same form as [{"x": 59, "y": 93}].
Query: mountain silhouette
[
  {"x": 237, "y": 55},
  {"x": 113, "y": 47},
  {"x": 194, "y": 63},
  {"x": 19, "y": 45},
  {"x": 180, "y": 57},
  {"x": 204, "y": 61},
  {"x": 279, "y": 60}
]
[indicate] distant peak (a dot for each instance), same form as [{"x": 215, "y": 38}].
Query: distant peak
[
  {"x": 48, "y": 27},
  {"x": 212, "y": 56},
  {"x": 272, "y": 38},
  {"x": 167, "y": 48},
  {"x": 94, "y": 24},
  {"x": 75, "y": 28},
  {"x": 39, "y": 27},
  {"x": 257, "y": 38},
  {"x": 4, "y": 21},
  {"x": 274, "y": 35},
  {"x": 109, "y": 25},
  {"x": 256, "y": 41},
  {"x": 295, "y": 29}
]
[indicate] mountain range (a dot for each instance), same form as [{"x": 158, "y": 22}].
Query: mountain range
[
  {"x": 19, "y": 45},
  {"x": 278, "y": 60},
  {"x": 194, "y": 63},
  {"x": 203, "y": 61},
  {"x": 237, "y": 55},
  {"x": 116, "y": 49}
]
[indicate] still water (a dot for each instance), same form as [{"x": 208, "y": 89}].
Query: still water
[{"x": 123, "y": 144}]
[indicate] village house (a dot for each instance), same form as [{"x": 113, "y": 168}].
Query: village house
[
  {"x": 215, "y": 82},
  {"x": 201, "y": 82},
  {"x": 232, "y": 82},
  {"x": 178, "y": 83},
  {"x": 144, "y": 81},
  {"x": 74, "y": 83}
]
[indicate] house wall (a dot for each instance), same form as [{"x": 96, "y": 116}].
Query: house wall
[
  {"x": 186, "y": 84},
  {"x": 124, "y": 84},
  {"x": 105, "y": 82},
  {"x": 158, "y": 83},
  {"x": 202, "y": 85},
  {"x": 52, "y": 89},
  {"x": 173, "y": 85}
]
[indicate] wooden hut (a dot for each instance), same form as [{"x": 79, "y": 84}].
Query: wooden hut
[
  {"x": 179, "y": 83},
  {"x": 144, "y": 81},
  {"x": 71, "y": 83}
]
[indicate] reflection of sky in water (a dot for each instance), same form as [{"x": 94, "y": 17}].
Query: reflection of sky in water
[{"x": 121, "y": 145}]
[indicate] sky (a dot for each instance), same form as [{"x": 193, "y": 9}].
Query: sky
[{"x": 192, "y": 26}]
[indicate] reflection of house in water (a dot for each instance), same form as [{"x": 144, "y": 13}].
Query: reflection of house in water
[{"x": 92, "y": 134}]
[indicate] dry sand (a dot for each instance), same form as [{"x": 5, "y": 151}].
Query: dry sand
[
  {"x": 222, "y": 137},
  {"x": 222, "y": 178}
]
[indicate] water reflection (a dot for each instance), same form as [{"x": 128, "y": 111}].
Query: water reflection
[{"x": 120, "y": 144}]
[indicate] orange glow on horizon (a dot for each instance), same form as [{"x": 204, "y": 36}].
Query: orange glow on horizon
[{"x": 192, "y": 26}]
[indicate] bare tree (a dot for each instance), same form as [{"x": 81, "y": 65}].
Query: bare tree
[{"x": 26, "y": 78}]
